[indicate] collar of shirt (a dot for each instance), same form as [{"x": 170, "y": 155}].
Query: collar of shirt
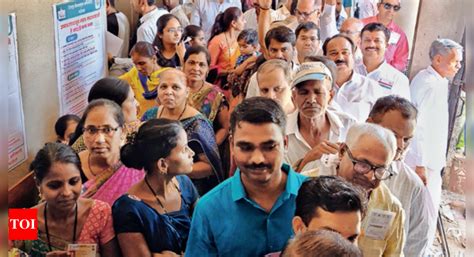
[
  {"x": 355, "y": 78},
  {"x": 363, "y": 69},
  {"x": 293, "y": 128},
  {"x": 431, "y": 70},
  {"x": 292, "y": 185},
  {"x": 149, "y": 15}
]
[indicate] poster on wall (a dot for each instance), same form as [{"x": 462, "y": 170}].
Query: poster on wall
[
  {"x": 16, "y": 122},
  {"x": 80, "y": 28}
]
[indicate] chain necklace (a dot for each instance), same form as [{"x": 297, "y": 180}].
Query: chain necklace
[
  {"x": 156, "y": 196},
  {"x": 46, "y": 226},
  {"x": 179, "y": 117}
]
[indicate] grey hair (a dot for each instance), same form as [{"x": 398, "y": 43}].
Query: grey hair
[
  {"x": 276, "y": 64},
  {"x": 383, "y": 135},
  {"x": 442, "y": 46}
]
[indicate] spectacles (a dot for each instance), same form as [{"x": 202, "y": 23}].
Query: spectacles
[
  {"x": 305, "y": 14},
  {"x": 388, "y": 6},
  {"x": 93, "y": 131},
  {"x": 362, "y": 167},
  {"x": 174, "y": 30}
]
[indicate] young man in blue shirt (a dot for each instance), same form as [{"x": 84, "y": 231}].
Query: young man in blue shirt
[{"x": 250, "y": 213}]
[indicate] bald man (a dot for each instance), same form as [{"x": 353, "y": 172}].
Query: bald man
[{"x": 352, "y": 27}]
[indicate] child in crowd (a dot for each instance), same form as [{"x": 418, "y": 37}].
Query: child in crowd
[
  {"x": 238, "y": 80},
  {"x": 65, "y": 127}
]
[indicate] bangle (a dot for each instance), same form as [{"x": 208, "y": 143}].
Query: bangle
[{"x": 266, "y": 9}]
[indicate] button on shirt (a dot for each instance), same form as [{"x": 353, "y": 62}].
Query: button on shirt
[
  {"x": 298, "y": 147},
  {"x": 391, "y": 80},
  {"x": 397, "y": 50},
  {"x": 205, "y": 11},
  {"x": 430, "y": 96},
  {"x": 226, "y": 222},
  {"x": 357, "y": 96},
  {"x": 420, "y": 214},
  {"x": 147, "y": 30}
]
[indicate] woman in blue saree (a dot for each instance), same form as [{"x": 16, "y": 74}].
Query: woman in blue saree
[
  {"x": 154, "y": 217},
  {"x": 172, "y": 95}
]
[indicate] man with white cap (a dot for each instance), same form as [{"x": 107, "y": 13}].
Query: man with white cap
[{"x": 314, "y": 130}]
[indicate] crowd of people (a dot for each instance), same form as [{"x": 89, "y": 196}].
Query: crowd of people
[{"x": 252, "y": 128}]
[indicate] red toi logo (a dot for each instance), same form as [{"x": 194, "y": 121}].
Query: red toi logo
[{"x": 22, "y": 224}]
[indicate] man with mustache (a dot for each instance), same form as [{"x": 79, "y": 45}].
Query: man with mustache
[
  {"x": 397, "y": 50},
  {"x": 365, "y": 160},
  {"x": 314, "y": 130},
  {"x": 355, "y": 93},
  {"x": 399, "y": 115},
  {"x": 250, "y": 213},
  {"x": 375, "y": 37}
]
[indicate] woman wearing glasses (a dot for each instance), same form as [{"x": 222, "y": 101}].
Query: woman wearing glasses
[
  {"x": 168, "y": 40},
  {"x": 154, "y": 217},
  {"x": 143, "y": 77},
  {"x": 103, "y": 134},
  {"x": 173, "y": 95}
]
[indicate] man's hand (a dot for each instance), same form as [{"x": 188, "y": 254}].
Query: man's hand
[
  {"x": 421, "y": 171},
  {"x": 325, "y": 147}
]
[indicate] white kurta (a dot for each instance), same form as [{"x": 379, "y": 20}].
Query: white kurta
[
  {"x": 430, "y": 95},
  {"x": 298, "y": 147},
  {"x": 147, "y": 30},
  {"x": 357, "y": 96},
  {"x": 391, "y": 80},
  {"x": 251, "y": 22},
  {"x": 420, "y": 216}
]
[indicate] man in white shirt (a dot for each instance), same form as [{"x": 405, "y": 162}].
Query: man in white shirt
[
  {"x": 205, "y": 11},
  {"x": 375, "y": 38},
  {"x": 352, "y": 28},
  {"x": 251, "y": 16},
  {"x": 430, "y": 90},
  {"x": 181, "y": 11},
  {"x": 368, "y": 8},
  {"x": 355, "y": 93},
  {"x": 399, "y": 115},
  {"x": 150, "y": 14},
  {"x": 314, "y": 131},
  {"x": 310, "y": 10}
]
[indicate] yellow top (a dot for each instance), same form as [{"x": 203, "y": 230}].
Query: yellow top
[
  {"x": 134, "y": 81},
  {"x": 380, "y": 199}
]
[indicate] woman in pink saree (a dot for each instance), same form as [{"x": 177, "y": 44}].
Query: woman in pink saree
[{"x": 107, "y": 177}]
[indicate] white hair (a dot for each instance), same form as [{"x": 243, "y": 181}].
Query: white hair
[
  {"x": 383, "y": 135},
  {"x": 443, "y": 46}
]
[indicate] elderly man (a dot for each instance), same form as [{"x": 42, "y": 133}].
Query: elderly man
[
  {"x": 399, "y": 115},
  {"x": 374, "y": 38},
  {"x": 307, "y": 40},
  {"x": 352, "y": 28},
  {"x": 150, "y": 14},
  {"x": 397, "y": 50},
  {"x": 314, "y": 131},
  {"x": 258, "y": 201},
  {"x": 365, "y": 160},
  {"x": 280, "y": 44},
  {"x": 356, "y": 94},
  {"x": 274, "y": 78},
  {"x": 205, "y": 11},
  {"x": 429, "y": 90}
]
